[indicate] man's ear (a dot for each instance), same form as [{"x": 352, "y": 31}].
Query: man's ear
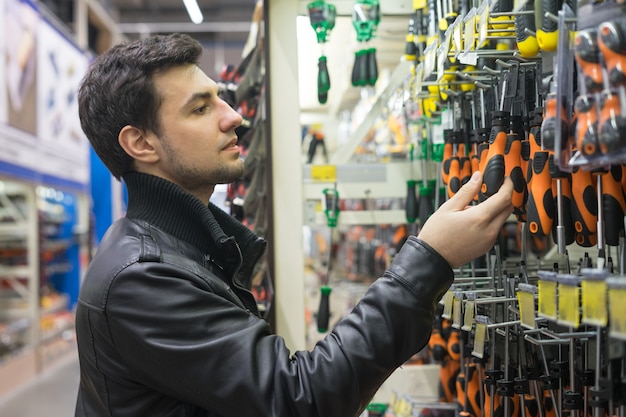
[{"x": 138, "y": 144}]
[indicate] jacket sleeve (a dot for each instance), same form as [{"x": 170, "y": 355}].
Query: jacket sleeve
[{"x": 195, "y": 345}]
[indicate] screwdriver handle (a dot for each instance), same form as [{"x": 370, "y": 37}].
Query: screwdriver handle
[
  {"x": 411, "y": 203},
  {"x": 323, "y": 80},
  {"x": 493, "y": 174},
  {"x": 540, "y": 207},
  {"x": 524, "y": 23},
  {"x": 549, "y": 123},
  {"x": 612, "y": 125},
  {"x": 426, "y": 203},
  {"x": 612, "y": 45},
  {"x": 587, "y": 54},
  {"x": 547, "y": 30},
  {"x": 613, "y": 204},
  {"x": 323, "y": 312},
  {"x": 513, "y": 169},
  {"x": 483, "y": 150},
  {"x": 454, "y": 179},
  {"x": 584, "y": 207},
  {"x": 372, "y": 66},
  {"x": 359, "y": 69},
  {"x": 525, "y": 160},
  {"x": 586, "y": 125},
  {"x": 448, "y": 151},
  {"x": 474, "y": 158}
]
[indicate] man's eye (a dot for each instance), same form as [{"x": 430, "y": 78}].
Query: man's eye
[{"x": 201, "y": 110}]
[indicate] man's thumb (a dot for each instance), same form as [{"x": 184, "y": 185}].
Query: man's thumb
[{"x": 466, "y": 193}]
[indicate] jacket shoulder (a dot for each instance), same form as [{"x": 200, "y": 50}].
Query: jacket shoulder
[{"x": 122, "y": 245}]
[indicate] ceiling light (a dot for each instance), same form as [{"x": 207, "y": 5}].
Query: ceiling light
[{"x": 194, "y": 11}]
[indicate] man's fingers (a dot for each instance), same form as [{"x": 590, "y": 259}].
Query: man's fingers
[
  {"x": 500, "y": 201},
  {"x": 499, "y": 205},
  {"x": 466, "y": 193}
]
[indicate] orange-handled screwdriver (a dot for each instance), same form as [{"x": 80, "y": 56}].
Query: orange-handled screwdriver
[
  {"x": 613, "y": 204},
  {"x": 587, "y": 54},
  {"x": 612, "y": 125},
  {"x": 584, "y": 207},
  {"x": 612, "y": 45},
  {"x": 513, "y": 169},
  {"x": 586, "y": 125},
  {"x": 494, "y": 171},
  {"x": 540, "y": 209},
  {"x": 448, "y": 151}
]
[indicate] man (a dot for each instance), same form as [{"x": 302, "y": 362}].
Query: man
[{"x": 165, "y": 323}]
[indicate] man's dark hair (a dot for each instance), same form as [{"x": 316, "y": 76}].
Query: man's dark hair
[{"x": 118, "y": 90}]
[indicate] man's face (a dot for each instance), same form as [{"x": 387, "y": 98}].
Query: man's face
[{"x": 198, "y": 140}]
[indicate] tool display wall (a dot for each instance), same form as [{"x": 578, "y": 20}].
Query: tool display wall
[{"x": 534, "y": 91}]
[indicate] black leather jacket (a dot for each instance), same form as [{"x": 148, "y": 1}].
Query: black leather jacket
[{"x": 165, "y": 326}]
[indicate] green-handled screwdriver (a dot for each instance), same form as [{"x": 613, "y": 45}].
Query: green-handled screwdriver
[
  {"x": 411, "y": 204},
  {"x": 331, "y": 210}
]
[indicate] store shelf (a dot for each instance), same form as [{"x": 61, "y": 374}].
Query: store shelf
[{"x": 36, "y": 243}]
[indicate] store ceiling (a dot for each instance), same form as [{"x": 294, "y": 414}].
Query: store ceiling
[{"x": 229, "y": 21}]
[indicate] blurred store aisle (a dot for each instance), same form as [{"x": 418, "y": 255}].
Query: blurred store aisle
[{"x": 51, "y": 394}]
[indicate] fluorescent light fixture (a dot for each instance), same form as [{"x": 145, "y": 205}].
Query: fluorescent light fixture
[{"x": 194, "y": 11}]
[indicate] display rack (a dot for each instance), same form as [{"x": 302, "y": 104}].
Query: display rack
[
  {"x": 19, "y": 264},
  {"x": 39, "y": 267},
  {"x": 19, "y": 295}
]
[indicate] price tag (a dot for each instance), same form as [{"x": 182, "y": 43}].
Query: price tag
[
  {"x": 324, "y": 173},
  {"x": 405, "y": 407},
  {"x": 526, "y": 301},
  {"x": 442, "y": 56},
  {"x": 468, "y": 318},
  {"x": 483, "y": 23},
  {"x": 457, "y": 36},
  {"x": 469, "y": 31},
  {"x": 594, "y": 295},
  {"x": 393, "y": 402},
  {"x": 547, "y": 299},
  {"x": 447, "y": 300},
  {"x": 569, "y": 305},
  {"x": 457, "y": 311},
  {"x": 430, "y": 59},
  {"x": 480, "y": 335},
  {"x": 617, "y": 311}
]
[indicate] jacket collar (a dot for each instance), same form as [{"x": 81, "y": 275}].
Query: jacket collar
[{"x": 182, "y": 215}]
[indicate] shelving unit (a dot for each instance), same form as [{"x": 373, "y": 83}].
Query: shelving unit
[
  {"x": 19, "y": 264},
  {"x": 19, "y": 292},
  {"x": 38, "y": 255}
]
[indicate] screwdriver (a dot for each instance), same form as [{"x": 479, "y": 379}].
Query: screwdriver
[
  {"x": 612, "y": 125},
  {"x": 587, "y": 55},
  {"x": 323, "y": 80},
  {"x": 448, "y": 152},
  {"x": 331, "y": 210},
  {"x": 586, "y": 125},
  {"x": 612, "y": 44},
  {"x": 525, "y": 23},
  {"x": 584, "y": 207},
  {"x": 547, "y": 29},
  {"x": 513, "y": 169},
  {"x": 540, "y": 208},
  {"x": 493, "y": 174},
  {"x": 613, "y": 204},
  {"x": 454, "y": 165},
  {"x": 411, "y": 195}
]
